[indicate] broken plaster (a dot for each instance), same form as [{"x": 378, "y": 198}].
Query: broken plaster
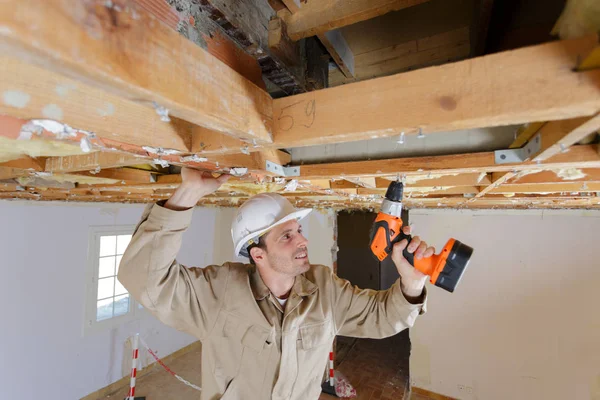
[
  {"x": 193, "y": 158},
  {"x": 160, "y": 151},
  {"x": 570, "y": 174},
  {"x": 163, "y": 112},
  {"x": 238, "y": 171}
]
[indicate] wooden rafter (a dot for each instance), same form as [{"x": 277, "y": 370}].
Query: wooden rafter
[
  {"x": 72, "y": 39},
  {"x": 552, "y": 146},
  {"x": 334, "y": 42},
  {"x": 529, "y": 84},
  {"x": 320, "y": 16},
  {"x": 583, "y": 156}
]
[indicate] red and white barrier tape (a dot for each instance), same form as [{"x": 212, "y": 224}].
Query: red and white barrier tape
[{"x": 162, "y": 364}]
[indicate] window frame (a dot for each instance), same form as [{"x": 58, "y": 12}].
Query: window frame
[{"x": 90, "y": 324}]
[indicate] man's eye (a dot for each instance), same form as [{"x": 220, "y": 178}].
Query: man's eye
[{"x": 286, "y": 236}]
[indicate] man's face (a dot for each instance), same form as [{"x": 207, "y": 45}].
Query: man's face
[{"x": 286, "y": 251}]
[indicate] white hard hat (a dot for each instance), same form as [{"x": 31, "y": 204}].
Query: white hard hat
[{"x": 259, "y": 214}]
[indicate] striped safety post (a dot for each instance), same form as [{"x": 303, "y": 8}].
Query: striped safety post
[
  {"x": 331, "y": 371},
  {"x": 134, "y": 360}
]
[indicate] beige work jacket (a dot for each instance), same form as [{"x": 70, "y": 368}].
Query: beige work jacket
[{"x": 252, "y": 348}]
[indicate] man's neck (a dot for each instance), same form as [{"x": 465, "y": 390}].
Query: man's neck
[{"x": 280, "y": 285}]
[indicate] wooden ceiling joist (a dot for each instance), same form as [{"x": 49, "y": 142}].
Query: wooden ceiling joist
[
  {"x": 530, "y": 84},
  {"x": 583, "y": 156},
  {"x": 36, "y": 93},
  {"x": 88, "y": 40},
  {"x": 554, "y": 176},
  {"x": 332, "y": 40},
  {"x": 319, "y": 16}
]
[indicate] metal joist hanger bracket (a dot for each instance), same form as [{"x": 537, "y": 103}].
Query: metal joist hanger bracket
[
  {"x": 510, "y": 156},
  {"x": 281, "y": 170}
]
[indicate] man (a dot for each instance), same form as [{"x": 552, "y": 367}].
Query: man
[{"x": 266, "y": 327}]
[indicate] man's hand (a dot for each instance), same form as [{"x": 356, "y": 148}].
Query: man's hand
[
  {"x": 195, "y": 185},
  {"x": 413, "y": 281}
]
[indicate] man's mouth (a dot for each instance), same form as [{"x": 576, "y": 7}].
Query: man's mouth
[{"x": 301, "y": 256}]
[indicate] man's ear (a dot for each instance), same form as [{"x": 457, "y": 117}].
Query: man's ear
[{"x": 257, "y": 253}]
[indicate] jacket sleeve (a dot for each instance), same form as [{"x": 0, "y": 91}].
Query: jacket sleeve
[
  {"x": 187, "y": 299},
  {"x": 367, "y": 313}
]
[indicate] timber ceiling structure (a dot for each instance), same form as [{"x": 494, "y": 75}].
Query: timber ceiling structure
[{"x": 473, "y": 103}]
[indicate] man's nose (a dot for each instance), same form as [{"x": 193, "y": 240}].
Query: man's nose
[{"x": 302, "y": 241}]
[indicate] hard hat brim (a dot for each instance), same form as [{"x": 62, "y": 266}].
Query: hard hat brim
[{"x": 297, "y": 215}]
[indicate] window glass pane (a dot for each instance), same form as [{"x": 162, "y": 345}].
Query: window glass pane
[
  {"x": 122, "y": 243},
  {"x": 119, "y": 289},
  {"x": 121, "y": 305},
  {"x": 104, "y": 309},
  {"x": 106, "y": 267},
  {"x": 108, "y": 245},
  {"x": 106, "y": 288},
  {"x": 118, "y": 263}
]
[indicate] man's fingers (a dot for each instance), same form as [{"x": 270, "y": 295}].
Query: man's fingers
[
  {"x": 421, "y": 250},
  {"x": 414, "y": 244},
  {"x": 429, "y": 252},
  {"x": 223, "y": 178},
  {"x": 406, "y": 229},
  {"x": 399, "y": 247}
]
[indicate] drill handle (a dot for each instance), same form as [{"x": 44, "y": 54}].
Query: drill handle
[{"x": 410, "y": 257}]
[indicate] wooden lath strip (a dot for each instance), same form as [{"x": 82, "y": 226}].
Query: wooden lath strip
[{"x": 72, "y": 38}]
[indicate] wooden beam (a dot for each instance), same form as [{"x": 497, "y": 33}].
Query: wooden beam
[
  {"x": 253, "y": 161},
  {"x": 482, "y": 15},
  {"x": 122, "y": 49},
  {"x": 281, "y": 45},
  {"x": 47, "y": 95},
  {"x": 548, "y": 188},
  {"x": 525, "y": 133},
  {"x": 325, "y": 15},
  {"x": 122, "y": 174},
  {"x": 553, "y": 176},
  {"x": 91, "y": 162},
  {"x": 431, "y": 180},
  {"x": 424, "y": 52},
  {"x": 10, "y": 173},
  {"x": 413, "y": 191},
  {"x": 493, "y": 186},
  {"x": 334, "y": 42},
  {"x": 583, "y": 156},
  {"x": 339, "y": 50},
  {"x": 529, "y": 84},
  {"x": 245, "y": 22},
  {"x": 554, "y": 140},
  {"x": 28, "y": 163}
]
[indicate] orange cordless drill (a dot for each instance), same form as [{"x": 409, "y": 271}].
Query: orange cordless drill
[{"x": 445, "y": 269}]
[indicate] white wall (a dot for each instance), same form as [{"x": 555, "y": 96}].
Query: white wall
[
  {"x": 524, "y": 323},
  {"x": 43, "y": 248}
]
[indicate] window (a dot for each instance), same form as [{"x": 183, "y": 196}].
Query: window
[{"x": 108, "y": 303}]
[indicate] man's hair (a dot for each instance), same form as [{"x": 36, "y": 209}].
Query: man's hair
[{"x": 262, "y": 244}]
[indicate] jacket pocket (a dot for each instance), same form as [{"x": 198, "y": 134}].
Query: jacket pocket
[
  {"x": 315, "y": 335},
  {"x": 256, "y": 338}
]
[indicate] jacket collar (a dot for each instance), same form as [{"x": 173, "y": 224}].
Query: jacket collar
[{"x": 302, "y": 285}]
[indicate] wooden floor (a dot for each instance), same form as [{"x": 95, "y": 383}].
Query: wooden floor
[{"x": 160, "y": 385}]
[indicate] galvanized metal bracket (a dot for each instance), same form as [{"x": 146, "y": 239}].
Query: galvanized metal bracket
[
  {"x": 281, "y": 170},
  {"x": 519, "y": 155}
]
